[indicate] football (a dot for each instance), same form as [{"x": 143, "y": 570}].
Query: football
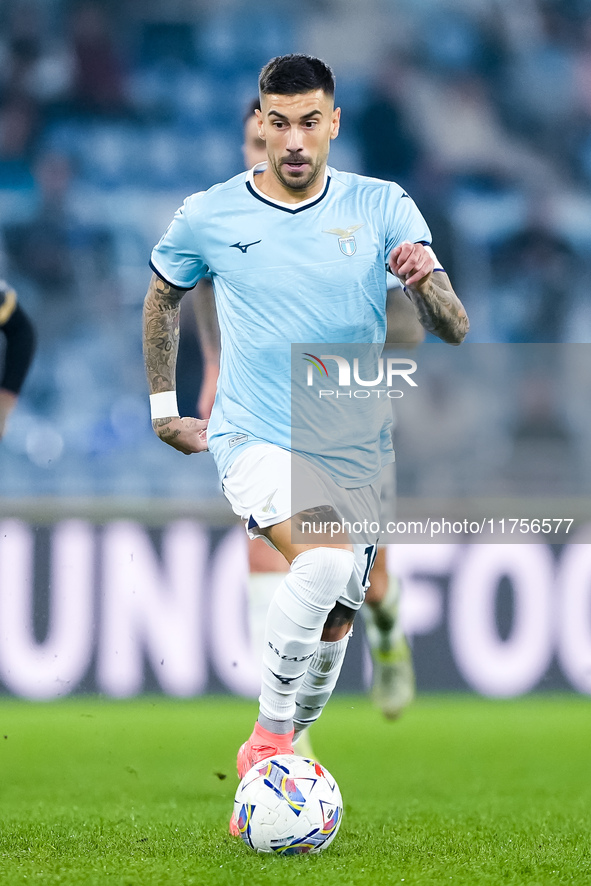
[{"x": 288, "y": 805}]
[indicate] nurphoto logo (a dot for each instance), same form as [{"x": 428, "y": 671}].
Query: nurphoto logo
[{"x": 387, "y": 370}]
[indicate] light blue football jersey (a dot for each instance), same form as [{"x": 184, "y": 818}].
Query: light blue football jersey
[{"x": 311, "y": 272}]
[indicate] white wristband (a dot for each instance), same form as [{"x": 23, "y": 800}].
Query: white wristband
[
  {"x": 438, "y": 265},
  {"x": 164, "y": 405}
]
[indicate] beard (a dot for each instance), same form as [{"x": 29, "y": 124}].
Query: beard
[{"x": 298, "y": 180}]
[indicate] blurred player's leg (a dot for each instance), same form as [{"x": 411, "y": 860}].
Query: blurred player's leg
[
  {"x": 302, "y": 744},
  {"x": 393, "y": 685}
]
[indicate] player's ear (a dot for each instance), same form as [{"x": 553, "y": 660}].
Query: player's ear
[
  {"x": 260, "y": 123},
  {"x": 335, "y": 123}
]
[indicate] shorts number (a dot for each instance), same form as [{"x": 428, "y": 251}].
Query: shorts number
[{"x": 371, "y": 553}]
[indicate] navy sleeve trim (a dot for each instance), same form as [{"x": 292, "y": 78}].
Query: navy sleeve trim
[{"x": 170, "y": 283}]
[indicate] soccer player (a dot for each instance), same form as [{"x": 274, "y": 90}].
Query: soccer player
[
  {"x": 280, "y": 275},
  {"x": 393, "y": 682},
  {"x": 20, "y": 347}
]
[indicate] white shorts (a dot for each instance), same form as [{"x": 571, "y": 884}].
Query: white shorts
[
  {"x": 259, "y": 485},
  {"x": 388, "y": 494}
]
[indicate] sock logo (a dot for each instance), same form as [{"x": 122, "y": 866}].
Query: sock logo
[
  {"x": 289, "y": 657},
  {"x": 285, "y": 681}
]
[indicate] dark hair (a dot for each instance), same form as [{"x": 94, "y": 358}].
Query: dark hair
[
  {"x": 252, "y": 106},
  {"x": 294, "y": 74}
]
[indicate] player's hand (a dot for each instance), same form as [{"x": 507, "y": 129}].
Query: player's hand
[
  {"x": 208, "y": 389},
  {"x": 411, "y": 263},
  {"x": 188, "y": 435}
]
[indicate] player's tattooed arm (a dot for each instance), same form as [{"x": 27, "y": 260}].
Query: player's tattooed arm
[
  {"x": 161, "y": 334},
  {"x": 161, "y": 343},
  {"x": 438, "y": 307},
  {"x": 188, "y": 435}
]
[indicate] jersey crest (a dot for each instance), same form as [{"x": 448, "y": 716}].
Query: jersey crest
[{"x": 347, "y": 243}]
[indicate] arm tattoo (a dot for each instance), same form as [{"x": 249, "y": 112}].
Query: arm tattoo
[
  {"x": 440, "y": 310},
  {"x": 165, "y": 433},
  {"x": 161, "y": 334}
]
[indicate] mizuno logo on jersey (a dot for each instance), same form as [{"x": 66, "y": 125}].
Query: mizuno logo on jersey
[
  {"x": 243, "y": 246},
  {"x": 347, "y": 243}
]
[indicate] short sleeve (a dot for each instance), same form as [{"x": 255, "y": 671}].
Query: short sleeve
[
  {"x": 403, "y": 220},
  {"x": 176, "y": 257}
]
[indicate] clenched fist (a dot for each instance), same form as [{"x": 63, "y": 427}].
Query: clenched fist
[{"x": 411, "y": 263}]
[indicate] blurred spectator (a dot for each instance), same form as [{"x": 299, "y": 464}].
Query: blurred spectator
[
  {"x": 538, "y": 88},
  {"x": 389, "y": 149},
  {"x": 463, "y": 135},
  {"x": 19, "y": 110},
  {"x": 543, "y": 458},
  {"x": 40, "y": 248},
  {"x": 35, "y": 73},
  {"x": 532, "y": 282},
  {"x": 99, "y": 81},
  {"x": 54, "y": 250},
  {"x": 18, "y": 128}
]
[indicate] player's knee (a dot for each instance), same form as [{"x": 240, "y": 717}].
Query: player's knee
[
  {"x": 323, "y": 574},
  {"x": 338, "y": 623}
]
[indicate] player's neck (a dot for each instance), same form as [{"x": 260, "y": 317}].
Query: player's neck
[{"x": 269, "y": 185}]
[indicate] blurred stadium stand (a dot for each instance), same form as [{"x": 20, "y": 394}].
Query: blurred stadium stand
[{"x": 482, "y": 109}]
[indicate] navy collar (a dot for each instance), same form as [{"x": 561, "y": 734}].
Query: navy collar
[{"x": 292, "y": 208}]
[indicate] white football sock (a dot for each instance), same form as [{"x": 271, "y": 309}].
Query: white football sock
[
  {"x": 261, "y": 587},
  {"x": 295, "y": 620},
  {"x": 319, "y": 682}
]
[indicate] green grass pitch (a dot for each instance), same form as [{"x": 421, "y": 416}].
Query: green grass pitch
[{"x": 461, "y": 790}]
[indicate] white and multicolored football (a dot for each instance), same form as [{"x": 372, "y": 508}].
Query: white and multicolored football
[{"x": 288, "y": 805}]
